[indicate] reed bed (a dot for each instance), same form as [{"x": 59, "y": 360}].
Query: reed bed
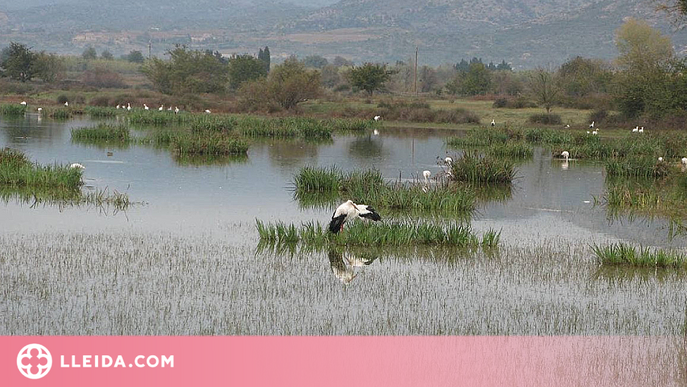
[
  {"x": 363, "y": 233},
  {"x": 208, "y": 143},
  {"x": 546, "y": 136},
  {"x": 157, "y": 118},
  {"x": 472, "y": 168},
  {"x": 370, "y": 188},
  {"x": 101, "y": 112},
  {"x": 61, "y": 114},
  {"x": 102, "y": 132},
  {"x": 15, "y": 110},
  {"x": 514, "y": 150},
  {"x": 637, "y": 167},
  {"x": 221, "y": 124},
  {"x": 625, "y": 254},
  {"x": 17, "y": 171}
]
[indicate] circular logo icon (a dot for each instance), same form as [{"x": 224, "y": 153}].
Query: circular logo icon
[{"x": 34, "y": 361}]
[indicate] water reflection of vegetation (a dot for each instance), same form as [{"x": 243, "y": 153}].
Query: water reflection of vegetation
[
  {"x": 200, "y": 160},
  {"x": 60, "y": 185},
  {"x": 62, "y": 198},
  {"x": 663, "y": 197}
]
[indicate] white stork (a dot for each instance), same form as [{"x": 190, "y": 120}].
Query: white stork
[{"x": 349, "y": 210}]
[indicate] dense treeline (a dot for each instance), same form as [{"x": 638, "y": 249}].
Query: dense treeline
[{"x": 645, "y": 80}]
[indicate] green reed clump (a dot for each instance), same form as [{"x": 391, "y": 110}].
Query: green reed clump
[
  {"x": 472, "y": 168},
  {"x": 61, "y": 114},
  {"x": 514, "y": 150},
  {"x": 624, "y": 254},
  {"x": 221, "y": 124},
  {"x": 351, "y": 125},
  {"x": 547, "y": 136},
  {"x": 101, "y": 112},
  {"x": 102, "y": 132},
  {"x": 12, "y": 109},
  {"x": 209, "y": 143},
  {"x": 362, "y": 233},
  {"x": 17, "y": 171},
  {"x": 157, "y": 118},
  {"x": 312, "y": 179},
  {"x": 370, "y": 188},
  {"x": 637, "y": 167},
  {"x": 13, "y": 158},
  {"x": 479, "y": 137}
]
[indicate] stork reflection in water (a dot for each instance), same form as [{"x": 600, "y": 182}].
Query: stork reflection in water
[{"x": 344, "y": 265}]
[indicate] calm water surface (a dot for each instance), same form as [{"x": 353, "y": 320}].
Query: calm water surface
[{"x": 185, "y": 261}]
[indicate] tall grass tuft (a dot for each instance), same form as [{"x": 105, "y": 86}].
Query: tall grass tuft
[
  {"x": 102, "y": 132},
  {"x": 514, "y": 150},
  {"x": 472, "y": 168},
  {"x": 636, "y": 167},
  {"x": 311, "y": 179},
  {"x": 101, "y": 112},
  {"x": 12, "y": 110},
  {"x": 624, "y": 254},
  {"x": 209, "y": 143},
  {"x": 16, "y": 171}
]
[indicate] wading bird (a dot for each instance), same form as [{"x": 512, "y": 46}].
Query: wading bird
[
  {"x": 377, "y": 118},
  {"x": 23, "y": 103},
  {"x": 146, "y": 107},
  {"x": 161, "y": 108},
  {"x": 207, "y": 111},
  {"x": 66, "y": 103},
  {"x": 565, "y": 155},
  {"x": 349, "y": 210},
  {"x": 636, "y": 129},
  {"x": 591, "y": 125},
  {"x": 684, "y": 161},
  {"x": 426, "y": 175},
  {"x": 77, "y": 165},
  {"x": 493, "y": 123}
]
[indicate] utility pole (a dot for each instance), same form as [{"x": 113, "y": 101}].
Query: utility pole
[{"x": 416, "y": 70}]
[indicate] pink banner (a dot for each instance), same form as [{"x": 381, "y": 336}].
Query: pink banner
[{"x": 342, "y": 361}]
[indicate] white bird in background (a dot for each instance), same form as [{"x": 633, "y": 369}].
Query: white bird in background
[
  {"x": 40, "y": 109},
  {"x": 660, "y": 159},
  {"x": 567, "y": 126},
  {"x": 375, "y": 132},
  {"x": 377, "y": 118},
  {"x": 349, "y": 210},
  {"x": 448, "y": 161},
  {"x": 146, "y": 107},
  {"x": 169, "y": 109},
  {"x": 207, "y": 111},
  {"x": 161, "y": 108},
  {"x": 493, "y": 123},
  {"x": 176, "y": 110},
  {"x": 66, "y": 103},
  {"x": 118, "y": 106},
  {"x": 77, "y": 165},
  {"x": 128, "y": 106},
  {"x": 684, "y": 161},
  {"x": 636, "y": 129},
  {"x": 426, "y": 175},
  {"x": 591, "y": 125},
  {"x": 565, "y": 155},
  {"x": 641, "y": 130},
  {"x": 595, "y": 132},
  {"x": 23, "y": 103}
]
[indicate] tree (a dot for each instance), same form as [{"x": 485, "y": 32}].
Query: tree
[
  {"x": 677, "y": 9},
  {"x": 580, "y": 77},
  {"x": 543, "y": 88},
  {"x": 315, "y": 61},
  {"x": 286, "y": 86},
  {"x": 340, "y": 61},
  {"x": 48, "y": 67},
  {"x": 369, "y": 77},
  {"x": 106, "y": 55},
  {"x": 641, "y": 47},
  {"x": 427, "y": 79},
  {"x": 265, "y": 57},
  {"x": 503, "y": 66},
  {"x": 290, "y": 83},
  {"x": 187, "y": 71},
  {"x": 477, "y": 79},
  {"x": 244, "y": 68},
  {"x": 329, "y": 76},
  {"x": 645, "y": 61},
  {"x": 135, "y": 56},
  {"x": 18, "y": 62},
  {"x": 89, "y": 53}
]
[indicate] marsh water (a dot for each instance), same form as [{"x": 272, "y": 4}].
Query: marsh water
[{"x": 184, "y": 259}]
